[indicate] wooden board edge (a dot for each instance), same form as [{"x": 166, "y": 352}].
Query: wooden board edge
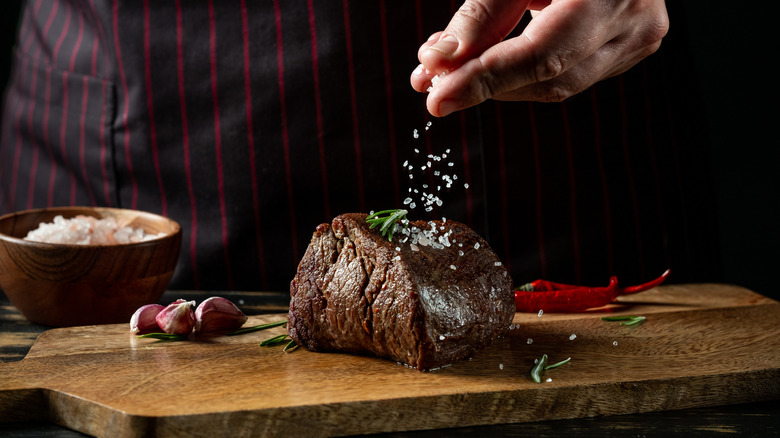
[{"x": 432, "y": 412}]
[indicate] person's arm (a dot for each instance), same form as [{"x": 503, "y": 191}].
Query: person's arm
[{"x": 568, "y": 46}]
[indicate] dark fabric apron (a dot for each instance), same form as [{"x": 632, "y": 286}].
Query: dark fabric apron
[{"x": 250, "y": 122}]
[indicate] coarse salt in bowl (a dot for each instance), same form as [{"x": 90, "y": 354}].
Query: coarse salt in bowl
[{"x": 68, "y": 266}]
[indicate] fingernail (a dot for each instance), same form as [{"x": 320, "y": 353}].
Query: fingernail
[
  {"x": 447, "y": 45},
  {"x": 418, "y": 71}
]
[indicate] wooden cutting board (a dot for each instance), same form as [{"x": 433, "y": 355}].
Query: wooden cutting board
[{"x": 701, "y": 345}]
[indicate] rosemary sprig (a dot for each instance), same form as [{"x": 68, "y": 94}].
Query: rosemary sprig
[
  {"x": 276, "y": 340},
  {"x": 536, "y": 371},
  {"x": 541, "y": 366},
  {"x": 290, "y": 344},
  {"x": 386, "y": 220},
  {"x": 626, "y": 320},
  {"x": 255, "y": 328},
  {"x": 165, "y": 336}
]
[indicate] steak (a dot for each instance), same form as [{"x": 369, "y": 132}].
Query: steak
[{"x": 433, "y": 296}]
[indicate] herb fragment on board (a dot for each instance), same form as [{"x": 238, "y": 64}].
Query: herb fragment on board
[
  {"x": 626, "y": 320},
  {"x": 541, "y": 366},
  {"x": 257, "y": 328},
  {"x": 386, "y": 220},
  {"x": 165, "y": 336},
  {"x": 290, "y": 344}
]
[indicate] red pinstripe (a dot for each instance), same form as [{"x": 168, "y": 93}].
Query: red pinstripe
[
  {"x": 185, "y": 136},
  {"x": 318, "y": 108},
  {"x": 103, "y": 148},
  {"x": 28, "y": 33},
  {"x": 31, "y": 112},
  {"x": 250, "y": 138},
  {"x": 389, "y": 97},
  {"x": 218, "y": 142},
  {"x": 126, "y": 110},
  {"x": 82, "y": 140},
  {"x": 150, "y": 106},
  {"x": 18, "y": 144},
  {"x": 285, "y": 131},
  {"x": 353, "y": 104}
]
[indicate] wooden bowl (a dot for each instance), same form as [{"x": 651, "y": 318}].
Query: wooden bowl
[{"x": 64, "y": 285}]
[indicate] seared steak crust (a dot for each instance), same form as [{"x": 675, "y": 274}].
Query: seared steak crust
[{"x": 434, "y": 295}]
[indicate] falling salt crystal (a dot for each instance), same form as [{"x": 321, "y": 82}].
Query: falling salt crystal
[
  {"x": 412, "y": 205},
  {"x": 529, "y": 341},
  {"x": 572, "y": 337},
  {"x": 416, "y": 151},
  {"x": 397, "y": 248},
  {"x": 500, "y": 366},
  {"x": 497, "y": 264},
  {"x": 476, "y": 245},
  {"x": 548, "y": 380},
  {"x": 453, "y": 267},
  {"x": 614, "y": 343},
  {"x": 407, "y": 201},
  {"x": 416, "y": 134},
  {"x": 460, "y": 253},
  {"x": 441, "y": 337},
  {"x": 540, "y": 313},
  {"x": 397, "y": 257},
  {"x": 429, "y": 122},
  {"x": 411, "y": 176},
  {"x": 466, "y": 185},
  {"x": 450, "y": 164}
]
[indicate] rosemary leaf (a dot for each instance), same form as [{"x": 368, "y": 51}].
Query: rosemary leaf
[
  {"x": 536, "y": 371},
  {"x": 276, "y": 340},
  {"x": 626, "y": 319},
  {"x": 292, "y": 345},
  {"x": 556, "y": 365},
  {"x": 386, "y": 220},
  {"x": 257, "y": 328},
  {"x": 164, "y": 336}
]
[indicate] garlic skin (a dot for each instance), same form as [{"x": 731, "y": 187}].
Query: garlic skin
[
  {"x": 217, "y": 314},
  {"x": 177, "y": 318},
  {"x": 144, "y": 320}
]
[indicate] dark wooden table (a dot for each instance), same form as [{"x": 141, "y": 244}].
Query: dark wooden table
[{"x": 759, "y": 419}]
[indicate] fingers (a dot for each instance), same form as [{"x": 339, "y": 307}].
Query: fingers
[
  {"x": 566, "y": 48},
  {"x": 477, "y": 25}
]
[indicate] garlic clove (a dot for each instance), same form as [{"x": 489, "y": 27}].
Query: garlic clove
[
  {"x": 144, "y": 319},
  {"x": 177, "y": 318},
  {"x": 218, "y": 314}
]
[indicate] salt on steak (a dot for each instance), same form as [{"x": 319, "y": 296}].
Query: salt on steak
[{"x": 433, "y": 296}]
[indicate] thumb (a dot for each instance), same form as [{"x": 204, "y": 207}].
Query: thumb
[{"x": 476, "y": 26}]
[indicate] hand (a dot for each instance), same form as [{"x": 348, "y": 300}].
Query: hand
[{"x": 568, "y": 46}]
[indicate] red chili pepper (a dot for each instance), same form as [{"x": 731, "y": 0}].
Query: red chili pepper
[{"x": 558, "y": 297}]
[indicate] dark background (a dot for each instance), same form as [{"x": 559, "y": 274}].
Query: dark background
[{"x": 733, "y": 53}]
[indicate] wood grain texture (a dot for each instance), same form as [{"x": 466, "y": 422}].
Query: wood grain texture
[{"x": 702, "y": 345}]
